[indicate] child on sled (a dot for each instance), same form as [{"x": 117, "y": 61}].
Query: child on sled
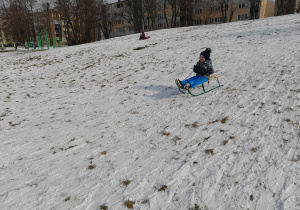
[
  {"x": 203, "y": 69},
  {"x": 143, "y": 36}
]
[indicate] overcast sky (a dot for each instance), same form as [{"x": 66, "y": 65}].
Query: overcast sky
[{"x": 111, "y": 1}]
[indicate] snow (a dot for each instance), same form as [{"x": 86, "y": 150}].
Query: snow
[{"x": 78, "y": 122}]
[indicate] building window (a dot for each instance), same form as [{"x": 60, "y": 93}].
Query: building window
[
  {"x": 120, "y": 30},
  {"x": 160, "y": 16},
  {"x": 197, "y": 22},
  {"x": 242, "y": 5},
  {"x": 199, "y": 11},
  {"x": 119, "y": 21},
  {"x": 120, "y": 5},
  {"x": 220, "y": 19},
  {"x": 160, "y": 25},
  {"x": 242, "y": 17},
  {"x": 218, "y": 9}
]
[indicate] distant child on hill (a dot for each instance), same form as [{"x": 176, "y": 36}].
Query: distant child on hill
[
  {"x": 203, "y": 69},
  {"x": 143, "y": 36}
]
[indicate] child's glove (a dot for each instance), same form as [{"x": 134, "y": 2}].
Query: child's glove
[{"x": 196, "y": 68}]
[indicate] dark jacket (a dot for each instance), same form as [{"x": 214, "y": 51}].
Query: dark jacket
[{"x": 204, "y": 68}]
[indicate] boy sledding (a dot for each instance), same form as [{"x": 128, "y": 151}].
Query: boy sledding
[{"x": 204, "y": 72}]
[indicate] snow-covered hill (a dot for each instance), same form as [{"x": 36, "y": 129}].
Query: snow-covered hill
[{"x": 103, "y": 126}]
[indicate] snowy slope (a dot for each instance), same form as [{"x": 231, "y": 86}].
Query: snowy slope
[{"x": 102, "y": 125}]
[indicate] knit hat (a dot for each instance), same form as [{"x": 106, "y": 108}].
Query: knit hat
[{"x": 206, "y": 53}]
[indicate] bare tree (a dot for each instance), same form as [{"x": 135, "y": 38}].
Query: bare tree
[
  {"x": 284, "y": 7},
  {"x": 254, "y": 9},
  {"x": 206, "y": 11},
  {"x": 46, "y": 18},
  {"x": 126, "y": 13},
  {"x": 224, "y": 5},
  {"x": 175, "y": 11},
  {"x": 104, "y": 20},
  {"x": 138, "y": 15},
  {"x": 151, "y": 15},
  {"x": 18, "y": 16},
  {"x": 186, "y": 12},
  {"x": 233, "y": 8},
  {"x": 69, "y": 13}
]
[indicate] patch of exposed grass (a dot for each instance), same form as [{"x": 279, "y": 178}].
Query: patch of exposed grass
[
  {"x": 196, "y": 207},
  {"x": 261, "y": 105},
  {"x": 163, "y": 188},
  {"x": 251, "y": 197},
  {"x": 68, "y": 147},
  {"x": 225, "y": 142},
  {"x": 206, "y": 139},
  {"x": 195, "y": 125},
  {"x": 67, "y": 198},
  {"x": 103, "y": 207},
  {"x": 129, "y": 204},
  {"x": 253, "y": 149},
  {"x": 90, "y": 167},
  {"x": 140, "y": 48},
  {"x": 224, "y": 120},
  {"x": 164, "y": 133},
  {"x": 212, "y": 122},
  {"x": 126, "y": 183},
  {"x": 209, "y": 151},
  {"x": 176, "y": 138}
]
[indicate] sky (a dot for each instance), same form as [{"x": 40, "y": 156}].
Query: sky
[
  {"x": 111, "y": 1},
  {"x": 103, "y": 125}
]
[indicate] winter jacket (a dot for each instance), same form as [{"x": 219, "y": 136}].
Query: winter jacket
[{"x": 204, "y": 68}]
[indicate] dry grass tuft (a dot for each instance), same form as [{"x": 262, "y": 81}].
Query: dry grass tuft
[
  {"x": 165, "y": 133},
  {"x": 253, "y": 149},
  {"x": 126, "y": 183},
  {"x": 163, "y": 188},
  {"x": 139, "y": 48},
  {"x": 195, "y": 125},
  {"x": 176, "y": 138},
  {"x": 90, "y": 167},
  {"x": 209, "y": 151},
  {"x": 251, "y": 197},
  {"x": 129, "y": 204},
  {"x": 103, "y": 207},
  {"x": 224, "y": 120},
  {"x": 67, "y": 199},
  {"x": 225, "y": 142},
  {"x": 206, "y": 139}
]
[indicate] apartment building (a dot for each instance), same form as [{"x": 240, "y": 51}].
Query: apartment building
[
  {"x": 48, "y": 25},
  {"x": 120, "y": 20},
  {"x": 5, "y": 40},
  {"x": 199, "y": 12}
]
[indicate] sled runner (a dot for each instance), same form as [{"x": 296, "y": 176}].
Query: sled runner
[{"x": 196, "y": 91}]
